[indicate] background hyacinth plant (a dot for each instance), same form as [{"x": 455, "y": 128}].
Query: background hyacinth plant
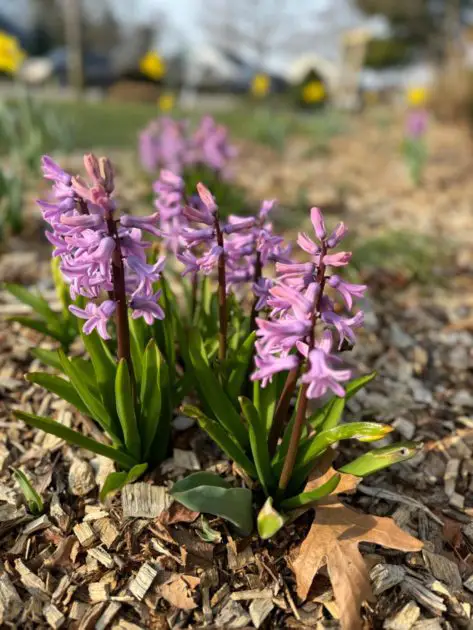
[
  {"x": 414, "y": 145},
  {"x": 216, "y": 308},
  {"x": 126, "y": 387}
]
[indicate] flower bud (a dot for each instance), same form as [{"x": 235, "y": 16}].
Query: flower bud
[{"x": 106, "y": 173}]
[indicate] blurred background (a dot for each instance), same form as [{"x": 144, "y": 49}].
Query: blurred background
[{"x": 363, "y": 107}]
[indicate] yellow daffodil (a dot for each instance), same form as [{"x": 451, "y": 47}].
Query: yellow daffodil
[
  {"x": 166, "y": 102},
  {"x": 152, "y": 66},
  {"x": 260, "y": 85},
  {"x": 313, "y": 92},
  {"x": 11, "y": 54},
  {"x": 417, "y": 96}
]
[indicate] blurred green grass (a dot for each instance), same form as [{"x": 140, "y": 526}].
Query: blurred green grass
[{"x": 110, "y": 124}]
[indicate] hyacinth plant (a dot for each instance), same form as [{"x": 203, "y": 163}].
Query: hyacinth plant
[
  {"x": 204, "y": 153},
  {"x": 126, "y": 387},
  {"x": 244, "y": 332},
  {"x": 273, "y": 442},
  {"x": 414, "y": 145}
]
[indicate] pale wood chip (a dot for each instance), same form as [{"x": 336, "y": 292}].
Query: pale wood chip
[
  {"x": 61, "y": 588},
  {"x": 33, "y": 584},
  {"x": 10, "y": 602},
  {"x": 404, "y": 618},
  {"x": 108, "y": 615},
  {"x": 232, "y": 615},
  {"x": 469, "y": 583},
  {"x": 143, "y": 581},
  {"x": 457, "y": 501},
  {"x": 264, "y": 593},
  {"x": 239, "y": 560},
  {"x": 102, "y": 556},
  {"x": 81, "y": 478},
  {"x": 78, "y": 610},
  {"x": 451, "y": 475},
  {"x": 90, "y": 618},
  {"x": 259, "y": 610},
  {"x": 126, "y": 625},
  {"x": 53, "y": 616},
  {"x": 42, "y": 522},
  {"x": 94, "y": 513},
  {"x": 142, "y": 500},
  {"x": 220, "y": 595},
  {"x": 185, "y": 459},
  {"x": 99, "y": 592},
  {"x": 85, "y": 534},
  {"x": 58, "y": 514},
  {"x": 106, "y": 531}
]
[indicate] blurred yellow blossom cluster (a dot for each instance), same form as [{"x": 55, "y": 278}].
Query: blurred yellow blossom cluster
[{"x": 11, "y": 54}]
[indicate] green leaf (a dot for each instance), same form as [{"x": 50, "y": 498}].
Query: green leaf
[
  {"x": 206, "y": 533},
  {"x": 231, "y": 504},
  {"x": 333, "y": 413},
  {"x": 380, "y": 458},
  {"x": 89, "y": 397},
  {"x": 137, "y": 344},
  {"x": 150, "y": 397},
  {"x": 309, "y": 452},
  {"x": 48, "y": 357},
  {"x": 259, "y": 445},
  {"x": 105, "y": 369},
  {"x": 58, "y": 386},
  {"x": 241, "y": 370},
  {"x": 269, "y": 520},
  {"x": 306, "y": 498},
  {"x": 222, "y": 438},
  {"x": 32, "y": 497},
  {"x": 356, "y": 384},
  {"x": 211, "y": 390},
  {"x": 77, "y": 439},
  {"x": 36, "y": 301},
  {"x": 126, "y": 409},
  {"x": 116, "y": 480},
  {"x": 200, "y": 479}
]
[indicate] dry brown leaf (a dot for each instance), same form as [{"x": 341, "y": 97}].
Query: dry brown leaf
[
  {"x": 177, "y": 513},
  {"x": 333, "y": 541},
  {"x": 178, "y": 592}
]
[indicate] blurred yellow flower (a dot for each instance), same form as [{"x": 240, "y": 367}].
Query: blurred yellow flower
[
  {"x": 166, "y": 102},
  {"x": 313, "y": 92},
  {"x": 417, "y": 96},
  {"x": 260, "y": 85},
  {"x": 11, "y": 54},
  {"x": 152, "y": 66}
]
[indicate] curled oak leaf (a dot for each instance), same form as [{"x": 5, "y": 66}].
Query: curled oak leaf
[{"x": 333, "y": 541}]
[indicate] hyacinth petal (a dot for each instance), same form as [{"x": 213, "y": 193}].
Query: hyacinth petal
[
  {"x": 340, "y": 259},
  {"x": 337, "y": 235},
  {"x": 307, "y": 244},
  {"x": 206, "y": 197},
  {"x": 53, "y": 171},
  {"x": 318, "y": 222},
  {"x": 347, "y": 290}
]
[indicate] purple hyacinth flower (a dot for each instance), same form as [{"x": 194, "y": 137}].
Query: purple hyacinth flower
[
  {"x": 148, "y": 224},
  {"x": 209, "y": 260},
  {"x": 146, "y": 307},
  {"x": 318, "y": 222},
  {"x": 344, "y": 325},
  {"x": 261, "y": 290},
  {"x": 321, "y": 376},
  {"x": 53, "y": 171},
  {"x": 96, "y": 316},
  {"x": 281, "y": 335},
  {"x": 267, "y": 366},
  {"x": 347, "y": 290}
]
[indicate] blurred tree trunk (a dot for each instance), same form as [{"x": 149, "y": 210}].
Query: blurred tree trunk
[{"x": 73, "y": 33}]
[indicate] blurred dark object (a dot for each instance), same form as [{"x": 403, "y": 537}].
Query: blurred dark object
[
  {"x": 422, "y": 24},
  {"x": 97, "y": 68},
  {"x": 386, "y": 53}
]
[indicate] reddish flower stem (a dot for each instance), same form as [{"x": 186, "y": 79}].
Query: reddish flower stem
[
  {"x": 222, "y": 294},
  {"x": 291, "y": 455}
]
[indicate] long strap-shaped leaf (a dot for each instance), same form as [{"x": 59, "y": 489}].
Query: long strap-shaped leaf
[
  {"x": 212, "y": 391},
  {"x": 308, "y": 453},
  {"x": 259, "y": 445},
  {"x": 105, "y": 369},
  {"x": 150, "y": 396},
  {"x": 240, "y": 371},
  {"x": 126, "y": 409},
  {"x": 37, "y": 302},
  {"x": 222, "y": 439},
  {"x": 306, "y": 498},
  {"x": 77, "y": 439},
  {"x": 96, "y": 408}
]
